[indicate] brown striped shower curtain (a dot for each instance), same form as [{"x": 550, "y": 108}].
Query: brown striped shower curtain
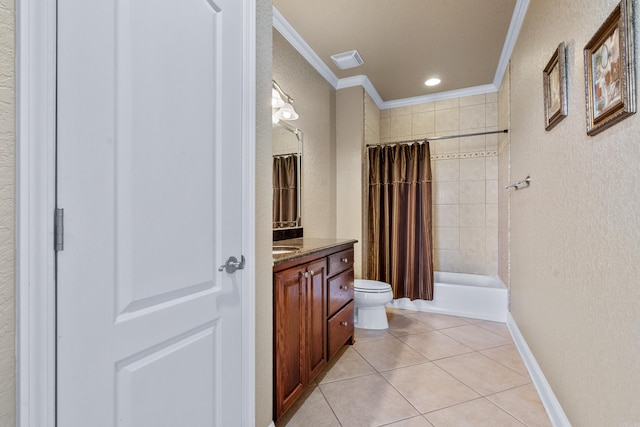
[
  {"x": 400, "y": 248},
  {"x": 285, "y": 191}
]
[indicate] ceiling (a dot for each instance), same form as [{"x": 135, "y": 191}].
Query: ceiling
[{"x": 465, "y": 43}]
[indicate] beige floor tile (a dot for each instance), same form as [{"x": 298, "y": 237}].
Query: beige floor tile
[
  {"x": 439, "y": 321},
  {"x": 428, "y": 388},
  {"x": 311, "y": 409},
  {"x": 475, "y": 337},
  {"x": 524, "y": 404},
  {"x": 412, "y": 422},
  {"x": 364, "y": 335},
  {"x": 482, "y": 374},
  {"x": 384, "y": 355},
  {"x": 496, "y": 327},
  {"x": 509, "y": 356},
  {"x": 366, "y": 401},
  {"x": 477, "y": 413},
  {"x": 348, "y": 364},
  {"x": 435, "y": 345},
  {"x": 403, "y": 325}
]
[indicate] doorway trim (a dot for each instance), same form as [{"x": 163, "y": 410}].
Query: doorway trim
[{"x": 35, "y": 192}]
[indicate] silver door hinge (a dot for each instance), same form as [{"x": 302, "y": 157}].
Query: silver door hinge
[{"x": 58, "y": 230}]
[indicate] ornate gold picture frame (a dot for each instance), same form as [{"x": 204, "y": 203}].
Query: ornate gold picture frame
[{"x": 609, "y": 68}]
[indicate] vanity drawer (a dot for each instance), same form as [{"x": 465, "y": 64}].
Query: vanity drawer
[
  {"x": 340, "y": 261},
  {"x": 340, "y": 328},
  {"x": 340, "y": 291}
]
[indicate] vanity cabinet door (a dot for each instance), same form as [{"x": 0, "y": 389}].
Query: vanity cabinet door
[
  {"x": 290, "y": 324},
  {"x": 316, "y": 317}
]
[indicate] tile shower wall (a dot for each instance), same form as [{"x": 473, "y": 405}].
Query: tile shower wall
[{"x": 465, "y": 177}]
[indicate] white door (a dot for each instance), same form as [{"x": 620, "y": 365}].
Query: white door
[{"x": 149, "y": 177}]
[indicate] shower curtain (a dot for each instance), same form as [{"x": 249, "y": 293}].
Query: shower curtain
[
  {"x": 285, "y": 192},
  {"x": 399, "y": 230}
]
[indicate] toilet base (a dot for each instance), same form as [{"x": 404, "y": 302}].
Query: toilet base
[{"x": 371, "y": 317}]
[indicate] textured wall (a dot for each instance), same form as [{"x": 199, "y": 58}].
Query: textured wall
[
  {"x": 350, "y": 126},
  {"x": 465, "y": 177},
  {"x": 7, "y": 213},
  {"x": 504, "y": 179},
  {"x": 264, "y": 261},
  {"x": 575, "y": 233},
  {"x": 314, "y": 100}
]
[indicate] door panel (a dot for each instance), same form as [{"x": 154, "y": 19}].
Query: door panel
[{"x": 149, "y": 176}]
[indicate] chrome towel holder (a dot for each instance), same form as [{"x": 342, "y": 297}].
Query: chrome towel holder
[{"x": 523, "y": 183}]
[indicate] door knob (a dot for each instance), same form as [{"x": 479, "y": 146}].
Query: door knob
[{"x": 232, "y": 264}]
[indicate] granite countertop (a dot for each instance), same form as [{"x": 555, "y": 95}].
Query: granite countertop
[{"x": 305, "y": 246}]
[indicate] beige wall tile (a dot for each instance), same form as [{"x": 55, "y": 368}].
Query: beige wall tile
[
  {"x": 427, "y": 106},
  {"x": 385, "y": 127},
  {"x": 491, "y": 163},
  {"x": 446, "y": 237},
  {"x": 472, "y": 261},
  {"x": 472, "y": 169},
  {"x": 472, "y": 191},
  {"x": 492, "y": 191},
  {"x": 492, "y": 114},
  {"x": 472, "y": 215},
  {"x": 448, "y": 120},
  {"x": 491, "y": 214},
  {"x": 472, "y": 144},
  {"x": 472, "y": 238},
  {"x": 472, "y": 100},
  {"x": 400, "y": 111},
  {"x": 423, "y": 123},
  {"x": 446, "y": 170},
  {"x": 447, "y": 104},
  {"x": 446, "y": 192},
  {"x": 400, "y": 126},
  {"x": 447, "y": 215},
  {"x": 472, "y": 117},
  {"x": 445, "y": 146}
]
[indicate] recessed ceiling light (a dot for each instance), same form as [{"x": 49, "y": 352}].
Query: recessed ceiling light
[
  {"x": 432, "y": 82},
  {"x": 347, "y": 60}
]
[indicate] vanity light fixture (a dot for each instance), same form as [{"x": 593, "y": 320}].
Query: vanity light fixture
[
  {"x": 432, "y": 81},
  {"x": 282, "y": 105}
]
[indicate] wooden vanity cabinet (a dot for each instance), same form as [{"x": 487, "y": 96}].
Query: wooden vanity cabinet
[{"x": 312, "y": 320}]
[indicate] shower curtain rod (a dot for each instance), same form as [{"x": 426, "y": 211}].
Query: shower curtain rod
[{"x": 438, "y": 138}]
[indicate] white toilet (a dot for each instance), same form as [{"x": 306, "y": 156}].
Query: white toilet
[{"x": 370, "y": 297}]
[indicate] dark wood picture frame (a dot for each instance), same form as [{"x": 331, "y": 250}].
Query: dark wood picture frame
[{"x": 555, "y": 88}]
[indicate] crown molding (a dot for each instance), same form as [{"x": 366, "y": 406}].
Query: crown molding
[
  {"x": 440, "y": 96},
  {"x": 517, "y": 19},
  {"x": 292, "y": 36}
]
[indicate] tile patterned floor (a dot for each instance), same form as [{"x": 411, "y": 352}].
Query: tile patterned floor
[{"x": 426, "y": 370}]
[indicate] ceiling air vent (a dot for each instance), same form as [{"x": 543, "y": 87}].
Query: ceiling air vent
[{"x": 347, "y": 59}]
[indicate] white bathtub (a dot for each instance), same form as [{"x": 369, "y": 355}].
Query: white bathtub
[{"x": 467, "y": 295}]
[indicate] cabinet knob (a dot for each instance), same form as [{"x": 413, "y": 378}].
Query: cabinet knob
[
  {"x": 345, "y": 260},
  {"x": 311, "y": 272},
  {"x": 344, "y": 287},
  {"x": 344, "y": 323},
  {"x": 305, "y": 274}
]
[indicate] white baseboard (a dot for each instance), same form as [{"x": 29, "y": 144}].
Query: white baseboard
[
  {"x": 551, "y": 404},
  {"x": 272, "y": 424}
]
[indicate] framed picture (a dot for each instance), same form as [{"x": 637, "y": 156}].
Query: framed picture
[
  {"x": 555, "y": 88},
  {"x": 609, "y": 68}
]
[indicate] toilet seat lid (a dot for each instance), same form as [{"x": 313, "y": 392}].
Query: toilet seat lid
[{"x": 371, "y": 286}]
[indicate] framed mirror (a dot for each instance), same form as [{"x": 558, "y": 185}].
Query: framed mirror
[{"x": 287, "y": 165}]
